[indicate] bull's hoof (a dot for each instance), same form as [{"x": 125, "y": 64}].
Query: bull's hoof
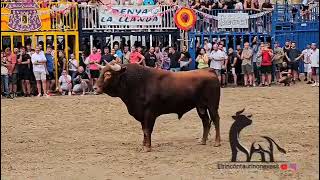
[
  {"x": 203, "y": 142},
  {"x": 146, "y": 149},
  {"x": 217, "y": 144}
]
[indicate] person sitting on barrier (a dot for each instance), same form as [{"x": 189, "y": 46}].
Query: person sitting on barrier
[
  {"x": 80, "y": 82},
  {"x": 65, "y": 83}
]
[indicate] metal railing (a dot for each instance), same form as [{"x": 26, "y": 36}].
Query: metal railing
[
  {"x": 258, "y": 22},
  {"x": 90, "y": 20},
  {"x": 63, "y": 16}
]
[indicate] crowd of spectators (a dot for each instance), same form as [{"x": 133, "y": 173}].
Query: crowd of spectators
[{"x": 250, "y": 66}]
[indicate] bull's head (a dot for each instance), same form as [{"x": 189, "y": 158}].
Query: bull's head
[
  {"x": 243, "y": 119},
  {"x": 109, "y": 79}
]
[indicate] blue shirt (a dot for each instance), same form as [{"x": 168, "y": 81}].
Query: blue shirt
[
  {"x": 119, "y": 53},
  {"x": 49, "y": 58}
]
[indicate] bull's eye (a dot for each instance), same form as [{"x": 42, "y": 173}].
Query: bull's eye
[{"x": 107, "y": 75}]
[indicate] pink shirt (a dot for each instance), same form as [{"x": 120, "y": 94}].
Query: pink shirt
[
  {"x": 94, "y": 58},
  {"x": 135, "y": 57}
]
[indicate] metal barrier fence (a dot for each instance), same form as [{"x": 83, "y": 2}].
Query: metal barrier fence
[
  {"x": 259, "y": 21},
  {"x": 89, "y": 17}
]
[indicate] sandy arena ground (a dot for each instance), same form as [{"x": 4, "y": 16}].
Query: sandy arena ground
[{"x": 93, "y": 137}]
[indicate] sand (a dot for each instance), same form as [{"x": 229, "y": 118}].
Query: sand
[{"x": 94, "y": 137}]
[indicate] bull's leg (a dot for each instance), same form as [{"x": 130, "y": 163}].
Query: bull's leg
[
  {"x": 202, "y": 112},
  {"x": 149, "y": 121},
  {"x": 144, "y": 135},
  {"x": 214, "y": 115}
]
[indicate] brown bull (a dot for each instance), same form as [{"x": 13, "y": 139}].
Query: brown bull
[{"x": 149, "y": 93}]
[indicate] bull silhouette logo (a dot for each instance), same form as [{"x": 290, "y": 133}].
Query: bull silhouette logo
[{"x": 242, "y": 121}]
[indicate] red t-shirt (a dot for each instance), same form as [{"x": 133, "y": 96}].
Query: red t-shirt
[
  {"x": 135, "y": 57},
  {"x": 266, "y": 58}
]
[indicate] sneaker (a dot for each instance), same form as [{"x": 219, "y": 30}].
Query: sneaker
[
  {"x": 305, "y": 79},
  {"x": 46, "y": 95},
  {"x": 314, "y": 85},
  {"x": 309, "y": 82},
  {"x": 39, "y": 95},
  {"x": 69, "y": 93}
]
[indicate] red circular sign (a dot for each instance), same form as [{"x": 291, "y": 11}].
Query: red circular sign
[{"x": 185, "y": 18}]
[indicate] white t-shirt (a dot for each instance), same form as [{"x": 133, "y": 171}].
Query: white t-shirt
[
  {"x": 39, "y": 58},
  {"x": 217, "y": 59},
  {"x": 73, "y": 65},
  {"x": 314, "y": 57},
  {"x": 64, "y": 80},
  {"x": 306, "y": 55}
]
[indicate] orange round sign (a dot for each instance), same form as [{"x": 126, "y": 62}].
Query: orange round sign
[{"x": 185, "y": 18}]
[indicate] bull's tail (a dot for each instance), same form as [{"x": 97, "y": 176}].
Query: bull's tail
[{"x": 272, "y": 141}]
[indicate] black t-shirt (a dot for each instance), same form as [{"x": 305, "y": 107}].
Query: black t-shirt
[
  {"x": 230, "y": 4},
  {"x": 82, "y": 75},
  {"x": 25, "y": 67},
  {"x": 284, "y": 69},
  {"x": 150, "y": 59},
  {"x": 293, "y": 54},
  {"x": 186, "y": 56},
  {"x": 285, "y": 51},
  {"x": 174, "y": 60},
  {"x": 231, "y": 58},
  {"x": 267, "y": 5},
  {"x": 108, "y": 58}
]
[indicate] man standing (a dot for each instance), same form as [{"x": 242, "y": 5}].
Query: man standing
[
  {"x": 174, "y": 59},
  {"x": 126, "y": 55},
  {"x": 246, "y": 65},
  {"x": 39, "y": 69},
  {"x": 25, "y": 71},
  {"x": 94, "y": 58},
  {"x": 224, "y": 64},
  {"x": 217, "y": 58},
  {"x": 12, "y": 70},
  {"x": 136, "y": 57},
  {"x": 293, "y": 55},
  {"x": 277, "y": 61},
  {"x": 158, "y": 54},
  {"x": 150, "y": 58},
  {"x": 307, "y": 64},
  {"x": 185, "y": 59},
  {"x": 314, "y": 57},
  {"x": 118, "y": 51},
  {"x": 105, "y": 56},
  {"x": 50, "y": 68}
]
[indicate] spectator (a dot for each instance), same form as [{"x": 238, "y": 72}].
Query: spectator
[
  {"x": 217, "y": 57},
  {"x": 4, "y": 76},
  {"x": 196, "y": 5},
  {"x": 28, "y": 49},
  {"x": 81, "y": 81},
  {"x": 277, "y": 61},
  {"x": 247, "y": 5},
  {"x": 224, "y": 63},
  {"x": 165, "y": 61},
  {"x": 106, "y": 57},
  {"x": 202, "y": 59},
  {"x": 150, "y": 58},
  {"x": 94, "y": 58},
  {"x": 25, "y": 71},
  {"x": 246, "y": 65},
  {"x": 207, "y": 45},
  {"x": 50, "y": 68},
  {"x": 118, "y": 51},
  {"x": 293, "y": 55},
  {"x": 314, "y": 57},
  {"x": 230, "y": 4},
  {"x": 307, "y": 64},
  {"x": 185, "y": 59},
  {"x": 39, "y": 69},
  {"x": 126, "y": 55},
  {"x": 255, "y": 5},
  {"x": 286, "y": 49},
  {"x": 238, "y": 67},
  {"x": 158, "y": 54},
  {"x": 267, "y": 6},
  {"x": 266, "y": 65},
  {"x": 61, "y": 62},
  {"x": 284, "y": 72},
  {"x": 174, "y": 59},
  {"x": 255, "y": 49},
  {"x": 65, "y": 83},
  {"x": 238, "y": 5},
  {"x": 232, "y": 61},
  {"x": 136, "y": 57},
  {"x": 73, "y": 66},
  {"x": 13, "y": 79}
]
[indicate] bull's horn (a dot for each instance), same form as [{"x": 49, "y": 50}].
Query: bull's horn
[
  {"x": 239, "y": 112},
  {"x": 115, "y": 67},
  {"x": 100, "y": 66}
]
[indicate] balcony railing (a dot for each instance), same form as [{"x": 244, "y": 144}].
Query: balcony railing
[
  {"x": 127, "y": 18},
  {"x": 54, "y": 16}
]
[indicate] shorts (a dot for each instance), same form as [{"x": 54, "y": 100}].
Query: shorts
[
  {"x": 94, "y": 73},
  {"x": 13, "y": 78},
  {"x": 266, "y": 69},
  {"x": 65, "y": 87},
  {"x": 223, "y": 71},
  {"x": 293, "y": 65},
  {"x": 50, "y": 76},
  {"x": 218, "y": 72},
  {"x": 315, "y": 71},
  {"x": 78, "y": 87},
  {"x": 40, "y": 76},
  {"x": 307, "y": 68},
  {"x": 246, "y": 69},
  {"x": 278, "y": 66},
  {"x": 25, "y": 75}
]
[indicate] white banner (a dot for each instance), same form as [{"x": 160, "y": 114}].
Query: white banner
[
  {"x": 233, "y": 20},
  {"x": 130, "y": 15}
]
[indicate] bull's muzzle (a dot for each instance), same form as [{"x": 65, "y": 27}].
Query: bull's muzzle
[{"x": 97, "y": 90}]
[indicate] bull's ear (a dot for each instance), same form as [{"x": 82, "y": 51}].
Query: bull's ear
[
  {"x": 249, "y": 116},
  {"x": 107, "y": 75},
  {"x": 234, "y": 117}
]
